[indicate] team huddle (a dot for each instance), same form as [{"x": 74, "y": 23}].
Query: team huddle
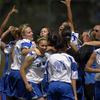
[{"x": 55, "y": 66}]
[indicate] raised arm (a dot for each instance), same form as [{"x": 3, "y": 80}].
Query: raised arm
[
  {"x": 13, "y": 10},
  {"x": 69, "y": 13},
  {"x": 7, "y": 32}
]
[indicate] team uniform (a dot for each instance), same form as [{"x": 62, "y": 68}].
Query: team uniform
[
  {"x": 97, "y": 76},
  {"x": 4, "y": 78},
  {"x": 15, "y": 82},
  {"x": 35, "y": 75},
  {"x": 45, "y": 79},
  {"x": 61, "y": 69},
  {"x": 75, "y": 38}
]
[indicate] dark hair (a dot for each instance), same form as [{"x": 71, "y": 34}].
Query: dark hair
[
  {"x": 55, "y": 40},
  {"x": 66, "y": 34}
]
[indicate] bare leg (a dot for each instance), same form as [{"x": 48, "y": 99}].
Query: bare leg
[{"x": 41, "y": 98}]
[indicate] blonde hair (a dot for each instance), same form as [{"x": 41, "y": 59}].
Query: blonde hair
[
  {"x": 41, "y": 38},
  {"x": 23, "y": 27}
]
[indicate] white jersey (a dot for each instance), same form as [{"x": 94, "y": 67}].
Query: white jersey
[
  {"x": 35, "y": 73},
  {"x": 18, "y": 57},
  {"x": 97, "y": 51},
  {"x": 74, "y": 38},
  {"x": 61, "y": 67},
  {"x": 9, "y": 46}
]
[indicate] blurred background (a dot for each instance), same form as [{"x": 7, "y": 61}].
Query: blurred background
[
  {"x": 39, "y": 13},
  {"x": 51, "y": 13}
]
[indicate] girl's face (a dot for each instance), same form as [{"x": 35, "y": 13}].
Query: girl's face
[
  {"x": 28, "y": 34},
  {"x": 85, "y": 37},
  {"x": 96, "y": 31},
  {"x": 43, "y": 45},
  {"x": 44, "y": 32},
  {"x": 63, "y": 25}
]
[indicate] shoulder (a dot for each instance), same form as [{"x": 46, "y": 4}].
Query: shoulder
[{"x": 69, "y": 57}]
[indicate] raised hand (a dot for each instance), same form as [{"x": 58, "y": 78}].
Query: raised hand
[
  {"x": 11, "y": 28},
  {"x": 66, "y": 2},
  {"x": 14, "y": 10},
  {"x": 63, "y": 1}
]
